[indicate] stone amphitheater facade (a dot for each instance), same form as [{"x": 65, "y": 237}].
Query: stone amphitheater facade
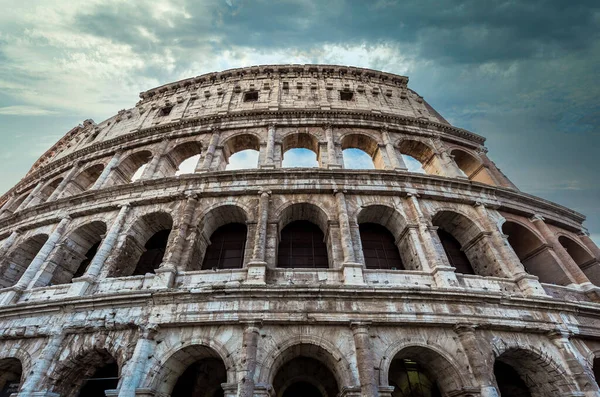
[{"x": 120, "y": 288}]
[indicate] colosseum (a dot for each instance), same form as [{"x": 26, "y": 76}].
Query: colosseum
[{"x": 429, "y": 274}]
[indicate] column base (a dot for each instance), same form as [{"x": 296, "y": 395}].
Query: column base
[
  {"x": 80, "y": 286},
  {"x": 445, "y": 277},
  {"x": 353, "y": 273},
  {"x": 267, "y": 166},
  {"x": 352, "y": 391},
  {"x": 257, "y": 273},
  {"x": 164, "y": 277},
  {"x": 36, "y": 394},
  {"x": 334, "y": 166},
  {"x": 111, "y": 393},
  {"x": 386, "y": 391},
  {"x": 229, "y": 389},
  {"x": 530, "y": 285},
  {"x": 590, "y": 290},
  {"x": 10, "y": 296},
  {"x": 263, "y": 390}
]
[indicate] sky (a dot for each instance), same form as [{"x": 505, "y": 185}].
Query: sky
[{"x": 524, "y": 74}]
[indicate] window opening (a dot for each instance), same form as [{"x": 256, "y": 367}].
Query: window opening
[
  {"x": 154, "y": 253},
  {"x": 379, "y": 247},
  {"x": 251, "y": 96},
  {"x": 138, "y": 173},
  {"x": 299, "y": 158},
  {"x": 104, "y": 378},
  {"x": 165, "y": 111},
  {"x": 226, "y": 249},
  {"x": 456, "y": 256},
  {"x": 410, "y": 380},
  {"x": 302, "y": 246},
  {"x": 88, "y": 259},
  {"x": 412, "y": 164},
  {"x": 346, "y": 95},
  {"x": 244, "y": 159},
  {"x": 357, "y": 159},
  {"x": 509, "y": 382},
  {"x": 188, "y": 166}
]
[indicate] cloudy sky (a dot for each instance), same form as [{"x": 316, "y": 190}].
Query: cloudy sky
[{"x": 525, "y": 74}]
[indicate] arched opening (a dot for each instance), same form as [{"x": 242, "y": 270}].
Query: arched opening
[
  {"x": 524, "y": 373},
  {"x": 14, "y": 264},
  {"x": 471, "y": 167},
  {"x": 226, "y": 249},
  {"x": 300, "y": 151},
  {"x": 586, "y": 262},
  {"x": 537, "y": 258},
  {"x": 596, "y": 369},
  {"x": 465, "y": 245},
  {"x": 419, "y": 157},
  {"x": 183, "y": 159},
  {"x": 302, "y": 245},
  {"x": 89, "y": 375},
  {"x": 305, "y": 370},
  {"x": 422, "y": 372},
  {"x": 193, "y": 371},
  {"x": 132, "y": 167},
  {"x": 75, "y": 254},
  {"x": 203, "y": 378},
  {"x": 379, "y": 247},
  {"x": 47, "y": 191},
  {"x": 84, "y": 180},
  {"x": 11, "y": 372},
  {"x": 12, "y": 207},
  {"x": 509, "y": 382},
  {"x": 241, "y": 152},
  {"x": 361, "y": 152},
  {"x": 145, "y": 245}
]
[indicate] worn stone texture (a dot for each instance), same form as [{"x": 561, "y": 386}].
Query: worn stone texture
[{"x": 532, "y": 302}]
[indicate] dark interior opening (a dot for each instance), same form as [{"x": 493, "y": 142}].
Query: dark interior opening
[
  {"x": 86, "y": 262},
  {"x": 105, "y": 378},
  {"x": 201, "y": 379},
  {"x": 154, "y": 253},
  {"x": 302, "y": 245},
  {"x": 251, "y": 96},
  {"x": 456, "y": 256},
  {"x": 509, "y": 382},
  {"x": 302, "y": 389},
  {"x": 226, "y": 249},
  {"x": 410, "y": 379},
  {"x": 346, "y": 95},
  {"x": 165, "y": 111},
  {"x": 597, "y": 370},
  {"x": 379, "y": 247}
]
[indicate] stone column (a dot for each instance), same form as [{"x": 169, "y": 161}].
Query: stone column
[
  {"x": 81, "y": 285},
  {"x": 152, "y": 167},
  {"x": 258, "y": 266},
  {"x": 35, "y": 265},
  {"x": 8, "y": 243},
  {"x": 269, "y": 152},
  {"x": 250, "y": 347},
  {"x": 107, "y": 170},
  {"x": 353, "y": 271},
  {"x": 210, "y": 151},
  {"x": 573, "y": 271},
  {"x": 136, "y": 368},
  {"x": 332, "y": 161},
  {"x": 480, "y": 357},
  {"x": 576, "y": 363},
  {"x": 172, "y": 261},
  {"x": 41, "y": 365},
  {"x": 442, "y": 272},
  {"x": 63, "y": 184},
  {"x": 30, "y": 197},
  {"x": 396, "y": 161},
  {"x": 364, "y": 359}
]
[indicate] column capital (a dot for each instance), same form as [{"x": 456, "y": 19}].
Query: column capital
[
  {"x": 384, "y": 128},
  {"x": 358, "y": 326},
  {"x": 583, "y": 232},
  {"x": 463, "y": 328},
  {"x": 263, "y": 193},
  {"x": 124, "y": 205},
  {"x": 536, "y": 218},
  {"x": 215, "y": 129},
  {"x": 272, "y": 125},
  {"x": 328, "y": 125},
  {"x": 149, "y": 331}
]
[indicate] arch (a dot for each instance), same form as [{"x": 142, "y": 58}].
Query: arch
[
  {"x": 301, "y": 140},
  {"x": 472, "y": 167},
  {"x": 180, "y": 154},
  {"x": 379, "y": 247},
  {"x": 465, "y": 244},
  {"x": 535, "y": 255},
  {"x": 537, "y": 370},
  {"x": 420, "y": 152},
  {"x": 16, "y": 262},
  {"x": 237, "y": 144},
  {"x": 305, "y": 377},
  {"x": 76, "y": 252},
  {"x": 310, "y": 347},
  {"x": 582, "y": 257},
  {"x": 12, "y": 207},
  {"x": 84, "y": 180},
  {"x": 302, "y": 245},
  {"x": 437, "y": 364},
  {"x": 11, "y": 375},
  {"x": 168, "y": 371},
  {"x": 214, "y": 218},
  {"x": 131, "y": 167},
  {"x": 78, "y": 375},
  {"x": 305, "y": 211},
  {"x": 47, "y": 191},
  {"x": 367, "y": 145},
  {"x": 144, "y": 246}
]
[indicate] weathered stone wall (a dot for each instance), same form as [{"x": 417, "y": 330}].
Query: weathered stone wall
[{"x": 531, "y": 304}]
